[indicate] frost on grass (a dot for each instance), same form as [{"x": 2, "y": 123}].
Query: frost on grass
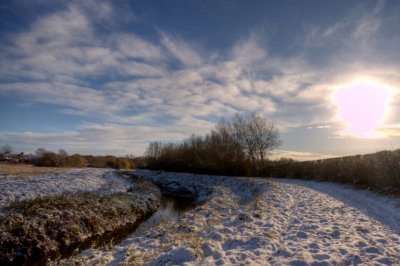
[{"x": 33, "y": 231}]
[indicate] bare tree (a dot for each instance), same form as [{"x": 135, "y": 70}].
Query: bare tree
[
  {"x": 154, "y": 150},
  {"x": 256, "y": 135},
  {"x": 6, "y": 149},
  {"x": 62, "y": 153},
  {"x": 40, "y": 152},
  {"x": 226, "y": 141},
  {"x": 238, "y": 146}
]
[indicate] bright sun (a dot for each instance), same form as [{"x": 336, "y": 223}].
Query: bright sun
[{"x": 362, "y": 107}]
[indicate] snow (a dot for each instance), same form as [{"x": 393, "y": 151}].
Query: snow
[
  {"x": 256, "y": 221},
  {"x": 264, "y": 222},
  {"x": 18, "y": 187},
  {"x": 34, "y": 231},
  {"x": 333, "y": 224}
]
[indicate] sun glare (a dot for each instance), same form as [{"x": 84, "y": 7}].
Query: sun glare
[{"x": 362, "y": 106}]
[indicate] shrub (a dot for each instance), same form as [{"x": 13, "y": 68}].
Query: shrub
[
  {"x": 48, "y": 158},
  {"x": 75, "y": 160}
]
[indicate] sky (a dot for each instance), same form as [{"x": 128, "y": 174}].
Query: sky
[{"x": 108, "y": 77}]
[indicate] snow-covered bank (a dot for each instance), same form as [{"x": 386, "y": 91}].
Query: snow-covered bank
[
  {"x": 261, "y": 222},
  {"x": 48, "y": 215},
  {"x": 18, "y": 187}
]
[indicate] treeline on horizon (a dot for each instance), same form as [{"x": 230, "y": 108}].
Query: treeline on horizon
[
  {"x": 240, "y": 147},
  {"x": 379, "y": 171},
  {"x": 48, "y": 158},
  {"x": 63, "y": 159}
]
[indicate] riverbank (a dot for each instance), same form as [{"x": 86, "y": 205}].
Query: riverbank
[
  {"x": 228, "y": 205},
  {"x": 45, "y": 218},
  {"x": 263, "y": 222}
]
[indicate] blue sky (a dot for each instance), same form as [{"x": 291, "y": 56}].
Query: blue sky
[{"x": 108, "y": 77}]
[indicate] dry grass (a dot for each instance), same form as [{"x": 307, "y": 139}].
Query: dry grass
[{"x": 28, "y": 170}]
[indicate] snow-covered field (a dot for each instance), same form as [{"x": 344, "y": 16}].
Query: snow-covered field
[
  {"x": 241, "y": 221},
  {"x": 265, "y": 222},
  {"x": 21, "y": 186}
]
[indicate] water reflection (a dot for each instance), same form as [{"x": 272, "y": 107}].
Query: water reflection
[{"x": 171, "y": 207}]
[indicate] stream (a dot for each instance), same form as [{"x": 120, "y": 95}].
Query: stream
[{"x": 172, "y": 206}]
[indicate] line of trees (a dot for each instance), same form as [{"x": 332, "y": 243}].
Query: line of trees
[
  {"x": 236, "y": 147},
  {"x": 110, "y": 161},
  {"x": 241, "y": 146},
  {"x": 49, "y": 158},
  {"x": 62, "y": 159}
]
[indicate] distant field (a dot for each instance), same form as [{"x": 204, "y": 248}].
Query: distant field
[{"x": 30, "y": 170}]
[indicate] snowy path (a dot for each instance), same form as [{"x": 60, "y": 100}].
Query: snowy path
[
  {"x": 265, "y": 222},
  {"x": 330, "y": 224}
]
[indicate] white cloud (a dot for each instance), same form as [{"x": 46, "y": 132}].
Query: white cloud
[
  {"x": 107, "y": 138},
  {"x": 53, "y": 31},
  {"x": 132, "y": 46},
  {"x": 98, "y": 10},
  {"x": 323, "y": 126},
  {"x": 139, "y": 69},
  {"x": 299, "y": 156},
  {"x": 87, "y": 100},
  {"x": 180, "y": 50},
  {"x": 248, "y": 52}
]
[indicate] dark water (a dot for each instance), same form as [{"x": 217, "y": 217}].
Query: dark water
[{"x": 171, "y": 207}]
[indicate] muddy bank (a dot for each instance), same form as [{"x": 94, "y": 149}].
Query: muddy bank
[{"x": 35, "y": 231}]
